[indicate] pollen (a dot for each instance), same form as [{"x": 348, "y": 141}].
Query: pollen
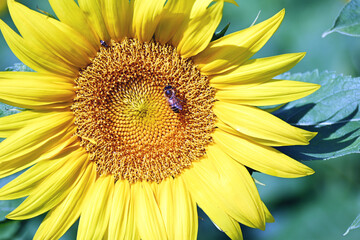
[{"x": 128, "y": 125}]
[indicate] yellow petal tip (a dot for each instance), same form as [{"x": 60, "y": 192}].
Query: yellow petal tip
[
  {"x": 233, "y": 2},
  {"x": 312, "y": 135},
  {"x": 280, "y": 15},
  {"x": 11, "y": 217},
  {"x": 301, "y": 55},
  {"x": 310, "y": 172},
  {"x": 310, "y": 88},
  {"x": 2, "y": 24},
  {"x": 317, "y": 86},
  {"x": 270, "y": 218}
]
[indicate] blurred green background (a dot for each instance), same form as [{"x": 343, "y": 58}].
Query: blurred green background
[{"x": 318, "y": 207}]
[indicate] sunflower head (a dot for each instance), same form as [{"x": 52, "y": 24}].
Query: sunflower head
[
  {"x": 135, "y": 117},
  {"x": 128, "y": 116}
]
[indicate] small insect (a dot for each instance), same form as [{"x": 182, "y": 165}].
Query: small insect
[
  {"x": 173, "y": 101},
  {"x": 104, "y": 43}
]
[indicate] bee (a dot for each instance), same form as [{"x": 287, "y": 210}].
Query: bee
[
  {"x": 104, "y": 43},
  {"x": 173, "y": 101}
]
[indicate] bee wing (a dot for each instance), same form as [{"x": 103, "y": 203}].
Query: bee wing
[{"x": 179, "y": 103}]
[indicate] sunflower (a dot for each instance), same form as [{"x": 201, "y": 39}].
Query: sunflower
[{"x": 134, "y": 117}]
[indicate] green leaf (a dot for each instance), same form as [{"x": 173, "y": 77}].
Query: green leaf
[
  {"x": 355, "y": 224},
  {"x": 19, "y": 67},
  {"x": 28, "y": 228},
  {"x": 9, "y": 228},
  {"x": 6, "y": 110},
  {"x": 8, "y": 206},
  {"x": 332, "y": 111},
  {"x": 322, "y": 204},
  {"x": 348, "y": 21},
  {"x": 221, "y": 33}
]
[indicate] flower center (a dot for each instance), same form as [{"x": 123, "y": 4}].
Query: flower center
[{"x": 142, "y": 112}]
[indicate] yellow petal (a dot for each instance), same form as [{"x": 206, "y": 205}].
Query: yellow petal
[
  {"x": 175, "y": 14},
  {"x": 273, "y": 109},
  {"x": 165, "y": 198},
  {"x": 259, "y": 125},
  {"x": 307, "y": 134},
  {"x": 187, "y": 224},
  {"x": 24, "y": 184},
  {"x": 258, "y": 70},
  {"x": 35, "y": 133},
  {"x": 41, "y": 77},
  {"x": 146, "y": 18},
  {"x": 267, "y": 93},
  {"x": 106, "y": 235},
  {"x": 223, "y": 185},
  {"x": 117, "y": 17},
  {"x": 261, "y": 158},
  {"x": 92, "y": 9},
  {"x": 211, "y": 207},
  {"x": 232, "y": 1},
  {"x": 35, "y": 90},
  {"x": 121, "y": 216},
  {"x": 178, "y": 209},
  {"x": 199, "y": 5},
  {"x": 38, "y": 59},
  {"x": 231, "y": 51},
  {"x": 198, "y": 33},
  {"x": 269, "y": 218},
  {"x": 235, "y": 182},
  {"x": 129, "y": 223},
  {"x": 95, "y": 214},
  {"x": 64, "y": 215},
  {"x": 132, "y": 230},
  {"x": 227, "y": 128},
  {"x": 53, "y": 189},
  {"x": 148, "y": 218},
  {"x": 69, "y": 12},
  {"x": 12, "y": 123},
  {"x": 51, "y": 35},
  {"x": 25, "y": 147}
]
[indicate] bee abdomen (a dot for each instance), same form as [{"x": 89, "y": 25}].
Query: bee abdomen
[{"x": 175, "y": 109}]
